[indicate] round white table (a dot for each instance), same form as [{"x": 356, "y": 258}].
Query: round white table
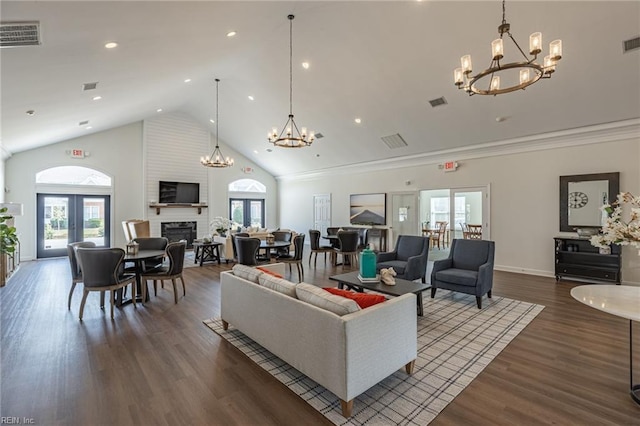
[{"x": 620, "y": 300}]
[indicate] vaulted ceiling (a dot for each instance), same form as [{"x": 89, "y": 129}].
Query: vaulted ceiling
[{"x": 378, "y": 61}]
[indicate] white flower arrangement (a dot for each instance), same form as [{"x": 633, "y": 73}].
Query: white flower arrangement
[
  {"x": 220, "y": 224},
  {"x": 615, "y": 230}
]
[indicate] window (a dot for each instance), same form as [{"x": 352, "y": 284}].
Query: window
[
  {"x": 73, "y": 175},
  {"x": 247, "y": 212}
]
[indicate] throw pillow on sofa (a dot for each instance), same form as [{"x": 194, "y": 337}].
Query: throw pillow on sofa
[
  {"x": 363, "y": 300},
  {"x": 318, "y": 297},
  {"x": 247, "y": 272},
  {"x": 270, "y": 272},
  {"x": 278, "y": 284}
]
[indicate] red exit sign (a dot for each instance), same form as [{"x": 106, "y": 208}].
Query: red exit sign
[
  {"x": 77, "y": 153},
  {"x": 450, "y": 166}
]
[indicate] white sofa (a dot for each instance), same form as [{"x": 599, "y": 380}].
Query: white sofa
[{"x": 346, "y": 354}]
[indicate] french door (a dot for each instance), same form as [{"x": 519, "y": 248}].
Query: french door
[
  {"x": 404, "y": 217},
  {"x": 247, "y": 212},
  {"x": 469, "y": 206},
  {"x": 68, "y": 218}
]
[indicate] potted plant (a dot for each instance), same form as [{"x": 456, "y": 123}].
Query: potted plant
[{"x": 8, "y": 242}]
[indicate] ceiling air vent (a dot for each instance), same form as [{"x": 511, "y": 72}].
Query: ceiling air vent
[
  {"x": 15, "y": 34},
  {"x": 394, "y": 141},
  {"x": 319, "y": 135},
  {"x": 89, "y": 86},
  {"x": 632, "y": 44},
  {"x": 83, "y": 123},
  {"x": 437, "y": 102}
]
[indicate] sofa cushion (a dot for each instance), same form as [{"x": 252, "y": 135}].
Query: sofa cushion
[
  {"x": 278, "y": 284},
  {"x": 247, "y": 272},
  {"x": 364, "y": 300},
  {"x": 318, "y": 297},
  {"x": 270, "y": 272},
  {"x": 458, "y": 276}
]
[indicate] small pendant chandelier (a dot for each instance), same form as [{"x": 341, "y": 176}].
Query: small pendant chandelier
[
  {"x": 216, "y": 159},
  {"x": 529, "y": 70},
  {"x": 290, "y": 136}
]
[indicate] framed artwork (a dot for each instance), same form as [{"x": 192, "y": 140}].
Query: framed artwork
[{"x": 368, "y": 209}]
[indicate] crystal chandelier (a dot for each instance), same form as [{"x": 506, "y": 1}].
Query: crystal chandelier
[
  {"x": 529, "y": 70},
  {"x": 216, "y": 159},
  {"x": 290, "y": 136}
]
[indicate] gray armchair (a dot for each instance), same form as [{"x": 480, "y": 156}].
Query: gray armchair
[
  {"x": 408, "y": 259},
  {"x": 468, "y": 269}
]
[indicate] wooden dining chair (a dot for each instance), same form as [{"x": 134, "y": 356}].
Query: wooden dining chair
[
  {"x": 439, "y": 234},
  {"x": 475, "y": 232}
]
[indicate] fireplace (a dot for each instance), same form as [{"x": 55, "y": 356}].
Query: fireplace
[{"x": 176, "y": 231}]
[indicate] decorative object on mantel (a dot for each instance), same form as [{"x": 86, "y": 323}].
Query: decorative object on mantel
[
  {"x": 220, "y": 225},
  {"x": 216, "y": 159},
  {"x": 615, "y": 229},
  {"x": 464, "y": 80},
  {"x": 387, "y": 274},
  {"x": 290, "y": 136}
]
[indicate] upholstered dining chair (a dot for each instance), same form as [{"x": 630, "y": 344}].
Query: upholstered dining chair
[
  {"x": 152, "y": 243},
  {"x": 247, "y": 250},
  {"x": 103, "y": 270},
  {"x": 76, "y": 271},
  {"x": 175, "y": 253},
  {"x": 296, "y": 258},
  {"x": 233, "y": 243},
  {"x": 408, "y": 259},
  {"x": 468, "y": 269},
  {"x": 348, "y": 247},
  {"x": 314, "y": 239},
  {"x": 285, "y": 236},
  {"x": 140, "y": 229}
]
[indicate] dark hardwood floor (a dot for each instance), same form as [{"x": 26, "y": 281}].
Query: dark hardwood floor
[{"x": 159, "y": 365}]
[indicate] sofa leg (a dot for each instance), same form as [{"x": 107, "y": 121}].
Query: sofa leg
[
  {"x": 409, "y": 367},
  {"x": 489, "y": 294},
  {"x": 433, "y": 292},
  {"x": 479, "y": 302},
  {"x": 347, "y": 408},
  {"x": 225, "y": 325}
]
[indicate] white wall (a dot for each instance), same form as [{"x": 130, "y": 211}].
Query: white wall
[{"x": 524, "y": 196}]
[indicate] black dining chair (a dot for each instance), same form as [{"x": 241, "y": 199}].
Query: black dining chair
[
  {"x": 314, "y": 239},
  {"x": 233, "y": 243},
  {"x": 296, "y": 258},
  {"x": 152, "y": 243},
  {"x": 348, "y": 247},
  {"x": 103, "y": 270},
  {"x": 285, "y": 236},
  {"x": 76, "y": 271},
  {"x": 175, "y": 253},
  {"x": 247, "y": 250}
]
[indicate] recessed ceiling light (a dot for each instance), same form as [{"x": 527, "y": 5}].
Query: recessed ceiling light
[
  {"x": 255, "y": 151},
  {"x": 88, "y": 127},
  {"x": 111, "y": 45},
  {"x": 187, "y": 80},
  {"x": 30, "y": 112},
  {"x": 231, "y": 33},
  {"x": 305, "y": 65},
  {"x": 212, "y": 121},
  {"x": 357, "y": 120},
  {"x": 159, "y": 110},
  {"x": 97, "y": 98},
  {"x": 250, "y": 97}
]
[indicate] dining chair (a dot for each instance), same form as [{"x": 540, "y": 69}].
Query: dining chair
[
  {"x": 152, "y": 243},
  {"x": 76, "y": 271},
  {"x": 139, "y": 229},
  {"x": 103, "y": 270},
  {"x": 233, "y": 243},
  {"x": 296, "y": 258},
  {"x": 475, "y": 232},
  {"x": 465, "y": 230},
  {"x": 282, "y": 236},
  {"x": 175, "y": 253},
  {"x": 347, "y": 247},
  {"x": 314, "y": 238},
  {"x": 247, "y": 250},
  {"x": 438, "y": 234}
]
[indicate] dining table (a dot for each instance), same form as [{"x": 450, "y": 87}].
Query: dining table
[
  {"x": 138, "y": 259},
  {"x": 267, "y": 247}
]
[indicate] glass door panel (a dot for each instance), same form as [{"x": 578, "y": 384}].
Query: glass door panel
[
  {"x": 404, "y": 215},
  {"x": 247, "y": 212},
  {"x": 236, "y": 208},
  {"x": 470, "y": 208},
  {"x": 56, "y": 223},
  {"x": 256, "y": 213},
  {"x": 93, "y": 220}
]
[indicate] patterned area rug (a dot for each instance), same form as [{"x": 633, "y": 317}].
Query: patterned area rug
[{"x": 456, "y": 341}]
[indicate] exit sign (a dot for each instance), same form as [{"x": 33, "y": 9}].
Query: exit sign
[
  {"x": 77, "y": 153},
  {"x": 450, "y": 166}
]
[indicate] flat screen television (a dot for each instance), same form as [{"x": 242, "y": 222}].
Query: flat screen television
[
  {"x": 179, "y": 192},
  {"x": 368, "y": 209}
]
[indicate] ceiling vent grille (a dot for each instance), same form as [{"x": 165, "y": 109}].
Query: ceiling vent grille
[
  {"x": 89, "y": 86},
  {"x": 394, "y": 141},
  {"x": 83, "y": 123},
  {"x": 632, "y": 44},
  {"x": 16, "y": 34},
  {"x": 319, "y": 135},
  {"x": 438, "y": 102}
]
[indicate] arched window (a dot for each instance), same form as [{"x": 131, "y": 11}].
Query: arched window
[
  {"x": 73, "y": 175},
  {"x": 247, "y": 185}
]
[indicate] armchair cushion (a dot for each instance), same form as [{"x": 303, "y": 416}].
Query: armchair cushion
[{"x": 458, "y": 276}]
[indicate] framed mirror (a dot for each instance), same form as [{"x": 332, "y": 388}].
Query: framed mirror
[{"x": 581, "y": 197}]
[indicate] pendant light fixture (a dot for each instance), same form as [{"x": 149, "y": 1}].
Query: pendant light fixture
[
  {"x": 290, "y": 136},
  {"x": 529, "y": 71},
  {"x": 216, "y": 159}
]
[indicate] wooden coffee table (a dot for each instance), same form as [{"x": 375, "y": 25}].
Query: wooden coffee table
[{"x": 402, "y": 287}]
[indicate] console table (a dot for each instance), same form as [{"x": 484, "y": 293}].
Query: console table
[{"x": 577, "y": 258}]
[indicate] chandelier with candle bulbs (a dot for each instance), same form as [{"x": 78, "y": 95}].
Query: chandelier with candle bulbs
[
  {"x": 529, "y": 70},
  {"x": 291, "y": 136},
  {"x": 216, "y": 159}
]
